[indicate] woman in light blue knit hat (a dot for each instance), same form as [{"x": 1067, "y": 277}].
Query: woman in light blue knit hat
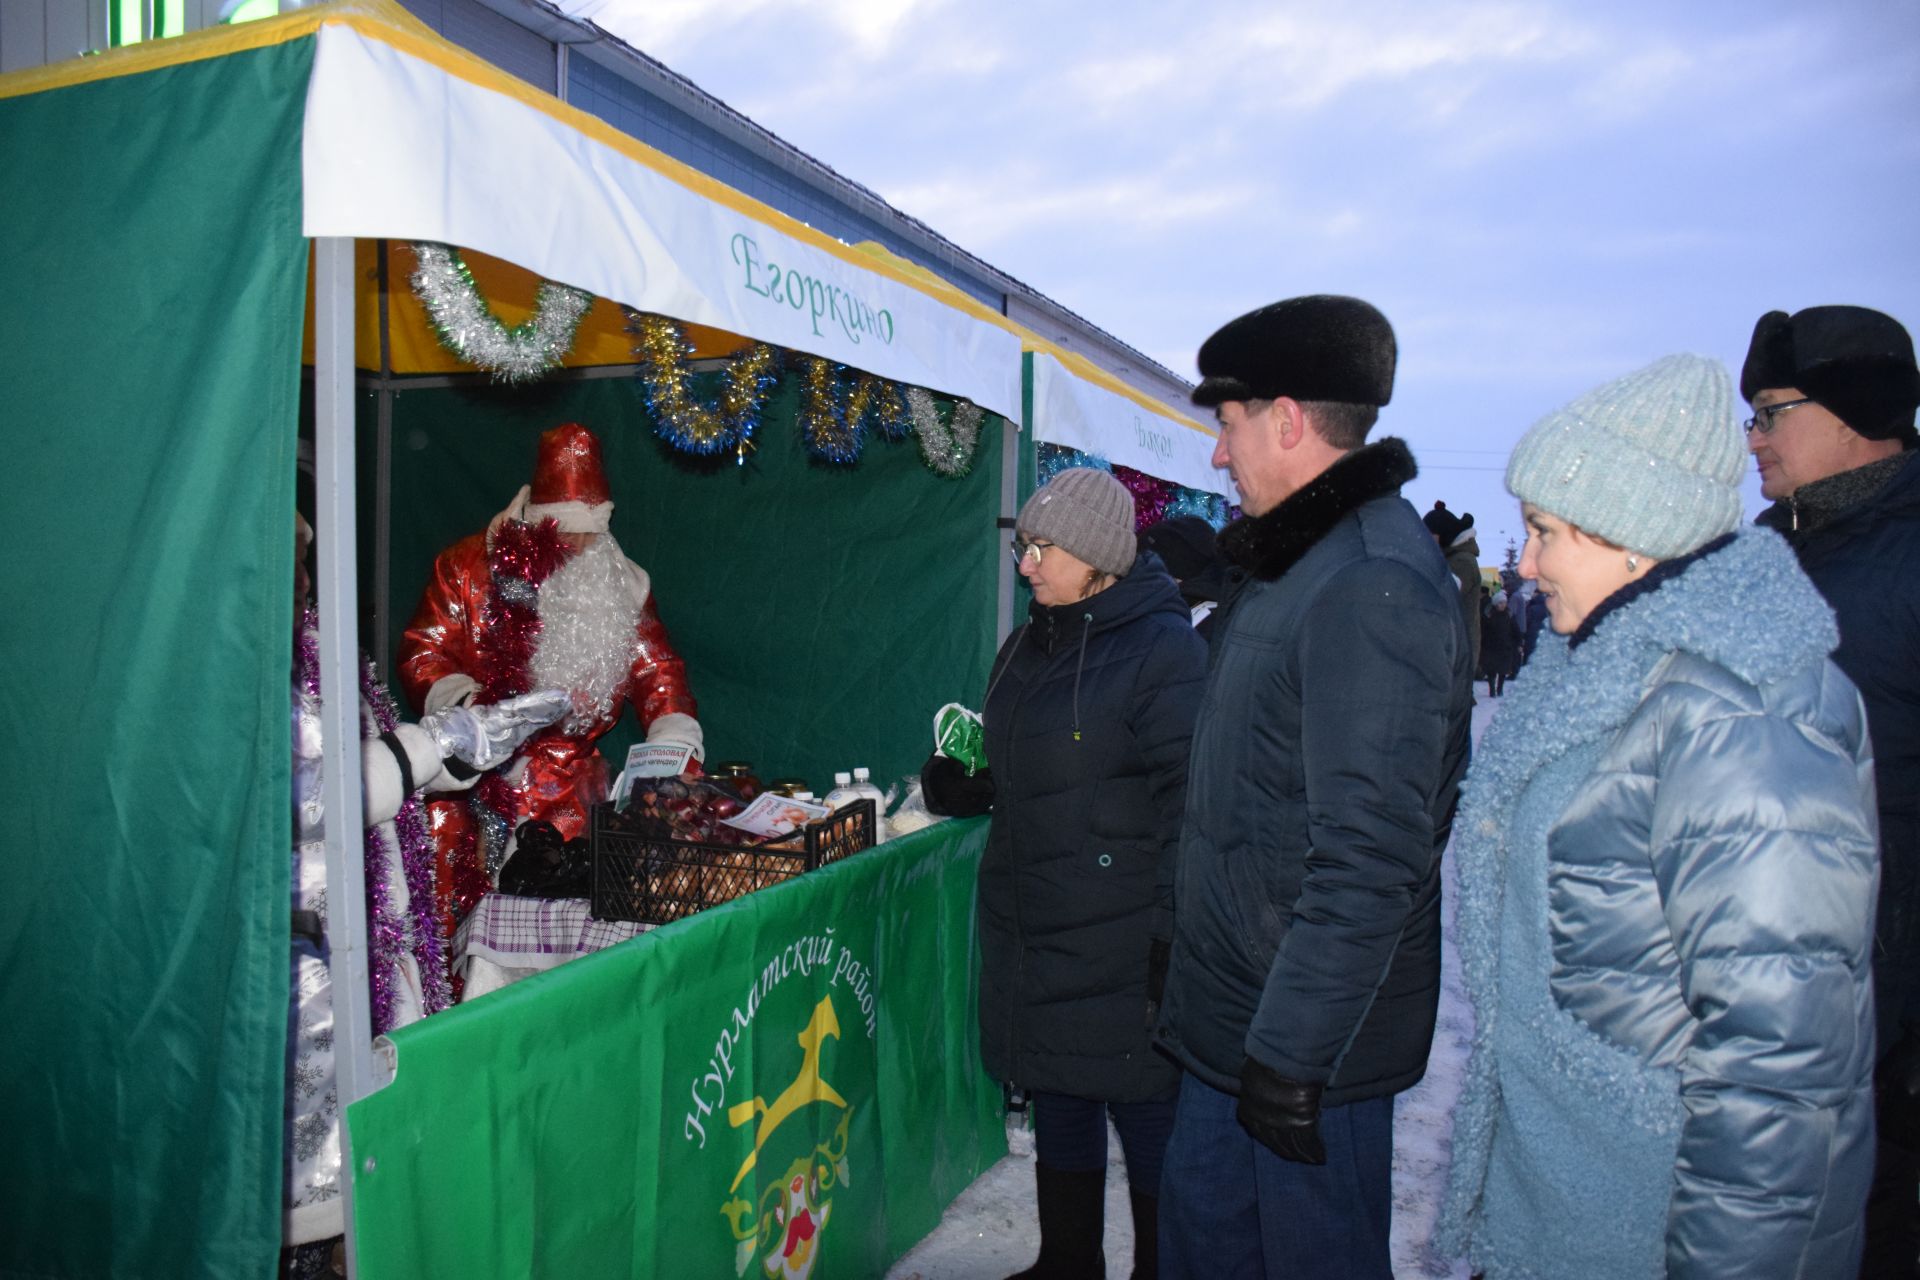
[{"x": 1667, "y": 875}]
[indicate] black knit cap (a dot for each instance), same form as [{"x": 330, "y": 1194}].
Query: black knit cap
[
  {"x": 1320, "y": 347},
  {"x": 1442, "y": 523},
  {"x": 1855, "y": 361}
]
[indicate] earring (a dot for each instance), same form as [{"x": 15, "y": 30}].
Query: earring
[{"x": 1633, "y": 564}]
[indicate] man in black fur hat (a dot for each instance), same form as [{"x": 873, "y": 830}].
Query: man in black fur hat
[
  {"x": 1305, "y": 968},
  {"x": 1834, "y": 391}
]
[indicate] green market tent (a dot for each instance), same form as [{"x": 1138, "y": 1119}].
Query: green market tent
[
  {"x": 165, "y": 208},
  {"x": 156, "y": 232}
]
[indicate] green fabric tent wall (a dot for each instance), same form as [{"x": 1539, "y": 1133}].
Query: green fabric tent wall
[{"x": 150, "y": 360}]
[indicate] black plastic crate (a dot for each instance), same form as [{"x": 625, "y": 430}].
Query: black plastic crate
[{"x": 655, "y": 880}]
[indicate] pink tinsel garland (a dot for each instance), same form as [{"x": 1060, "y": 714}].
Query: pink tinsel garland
[
  {"x": 1150, "y": 495},
  {"x": 388, "y": 935}
]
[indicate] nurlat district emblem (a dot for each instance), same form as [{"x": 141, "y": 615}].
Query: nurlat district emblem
[{"x": 793, "y": 1210}]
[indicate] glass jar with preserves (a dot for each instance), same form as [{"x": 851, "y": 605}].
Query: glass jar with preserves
[{"x": 739, "y": 775}]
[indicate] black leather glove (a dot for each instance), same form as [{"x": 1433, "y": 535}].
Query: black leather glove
[
  {"x": 1282, "y": 1115},
  {"x": 947, "y": 789}
]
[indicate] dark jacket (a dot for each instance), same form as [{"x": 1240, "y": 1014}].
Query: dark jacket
[
  {"x": 1325, "y": 764},
  {"x": 1536, "y": 621},
  {"x": 1087, "y": 727},
  {"x": 1865, "y": 559},
  {"x": 1463, "y": 561},
  {"x": 1499, "y": 642}
]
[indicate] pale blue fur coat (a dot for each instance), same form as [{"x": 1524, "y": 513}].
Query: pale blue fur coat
[{"x": 1667, "y": 868}]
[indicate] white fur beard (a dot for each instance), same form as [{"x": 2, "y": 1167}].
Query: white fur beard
[{"x": 588, "y": 632}]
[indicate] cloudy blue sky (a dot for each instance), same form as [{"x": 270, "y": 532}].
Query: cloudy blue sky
[{"x": 1539, "y": 195}]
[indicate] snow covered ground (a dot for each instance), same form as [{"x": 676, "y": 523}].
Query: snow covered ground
[{"x": 990, "y": 1230}]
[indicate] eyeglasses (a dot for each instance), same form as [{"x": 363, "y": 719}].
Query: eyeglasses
[
  {"x": 1762, "y": 419},
  {"x": 1024, "y": 549}
]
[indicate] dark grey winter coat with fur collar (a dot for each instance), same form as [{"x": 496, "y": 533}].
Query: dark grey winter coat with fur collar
[
  {"x": 1087, "y": 725},
  {"x": 1326, "y": 760}
]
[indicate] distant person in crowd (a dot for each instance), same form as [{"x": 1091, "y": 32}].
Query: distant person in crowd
[
  {"x": 1666, "y": 866},
  {"x": 1499, "y": 644},
  {"x": 1458, "y": 541},
  {"x": 1189, "y": 549},
  {"x": 1535, "y": 622},
  {"x": 1306, "y": 954},
  {"x": 1833, "y": 391},
  {"x": 1088, "y": 716}
]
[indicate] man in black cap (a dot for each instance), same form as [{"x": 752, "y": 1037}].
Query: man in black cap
[
  {"x": 1834, "y": 391},
  {"x": 1305, "y": 966}
]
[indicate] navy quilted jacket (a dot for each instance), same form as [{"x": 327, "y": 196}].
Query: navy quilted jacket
[{"x": 1087, "y": 725}]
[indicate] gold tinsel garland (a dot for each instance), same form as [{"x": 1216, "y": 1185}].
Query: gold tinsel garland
[
  {"x": 833, "y": 419},
  {"x": 662, "y": 350},
  {"x": 836, "y": 431}
]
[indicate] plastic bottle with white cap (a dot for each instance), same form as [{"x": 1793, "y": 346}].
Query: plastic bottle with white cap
[
  {"x": 843, "y": 792},
  {"x": 863, "y": 783}
]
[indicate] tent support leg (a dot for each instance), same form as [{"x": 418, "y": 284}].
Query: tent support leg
[
  {"x": 1009, "y": 508},
  {"x": 382, "y": 639},
  {"x": 340, "y": 686}
]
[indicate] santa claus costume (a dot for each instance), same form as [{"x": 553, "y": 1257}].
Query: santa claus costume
[{"x": 524, "y": 605}]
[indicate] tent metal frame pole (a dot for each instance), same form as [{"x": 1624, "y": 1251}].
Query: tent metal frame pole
[
  {"x": 383, "y": 479},
  {"x": 333, "y": 396},
  {"x": 1009, "y": 508},
  {"x": 1011, "y": 443}
]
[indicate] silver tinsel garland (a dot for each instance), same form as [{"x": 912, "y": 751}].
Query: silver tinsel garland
[
  {"x": 468, "y": 328},
  {"x": 947, "y": 449}
]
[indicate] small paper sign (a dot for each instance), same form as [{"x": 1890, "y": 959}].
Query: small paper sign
[
  {"x": 772, "y": 814},
  {"x": 649, "y": 760},
  {"x": 657, "y": 759}
]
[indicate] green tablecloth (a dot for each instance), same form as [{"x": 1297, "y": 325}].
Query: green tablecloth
[{"x": 786, "y": 1085}]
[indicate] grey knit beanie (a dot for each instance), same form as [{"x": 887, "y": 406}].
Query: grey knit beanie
[
  {"x": 1651, "y": 461},
  {"x": 1088, "y": 513}
]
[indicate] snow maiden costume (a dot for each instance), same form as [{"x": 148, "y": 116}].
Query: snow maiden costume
[
  {"x": 406, "y": 958},
  {"x": 1667, "y": 875}
]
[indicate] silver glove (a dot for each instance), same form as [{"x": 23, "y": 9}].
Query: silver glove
[{"x": 485, "y": 737}]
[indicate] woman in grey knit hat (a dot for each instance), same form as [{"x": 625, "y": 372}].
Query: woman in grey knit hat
[
  {"x": 1088, "y": 714},
  {"x": 1666, "y": 859}
]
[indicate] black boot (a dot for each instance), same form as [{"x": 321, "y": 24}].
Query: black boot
[
  {"x": 1072, "y": 1218},
  {"x": 1146, "y": 1236}
]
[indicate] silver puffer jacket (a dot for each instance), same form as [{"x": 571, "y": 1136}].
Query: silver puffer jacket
[{"x": 1667, "y": 865}]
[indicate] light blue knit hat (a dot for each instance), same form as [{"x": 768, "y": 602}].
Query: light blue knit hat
[{"x": 1651, "y": 461}]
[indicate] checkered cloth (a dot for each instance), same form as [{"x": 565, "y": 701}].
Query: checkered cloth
[{"x": 534, "y": 933}]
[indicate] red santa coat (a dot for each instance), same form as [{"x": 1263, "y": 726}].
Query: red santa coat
[{"x": 563, "y": 775}]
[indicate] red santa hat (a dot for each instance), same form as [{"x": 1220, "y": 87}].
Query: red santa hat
[{"x": 569, "y": 484}]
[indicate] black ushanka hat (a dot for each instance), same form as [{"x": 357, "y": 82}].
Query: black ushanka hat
[
  {"x": 1855, "y": 361},
  {"x": 1320, "y": 347}
]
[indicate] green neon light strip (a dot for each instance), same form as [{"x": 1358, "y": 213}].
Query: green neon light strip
[
  {"x": 169, "y": 17},
  {"x": 123, "y": 23},
  {"x": 253, "y": 9}
]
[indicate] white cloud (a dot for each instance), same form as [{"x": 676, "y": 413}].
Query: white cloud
[
  {"x": 1304, "y": 57},
  {"x": 983, "y": 213},
  {"x": 865, "y": 29}
]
